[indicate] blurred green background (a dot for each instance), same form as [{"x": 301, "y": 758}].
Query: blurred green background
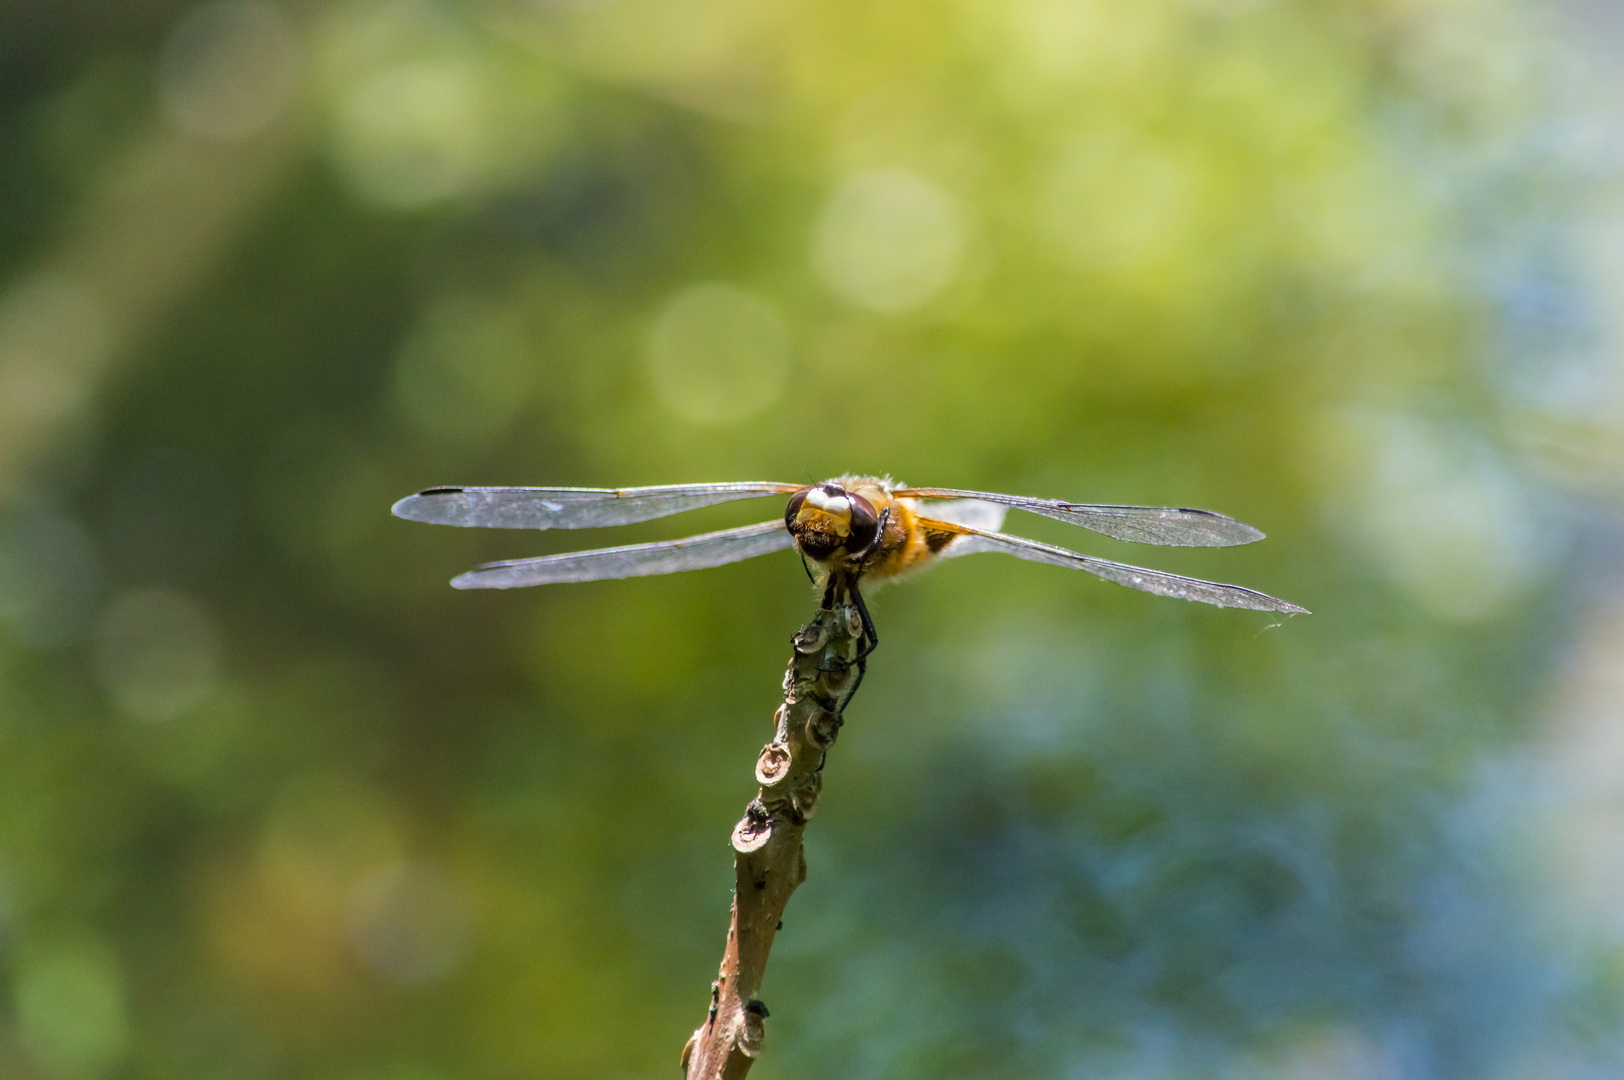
[{"x": 277, "y": 802}]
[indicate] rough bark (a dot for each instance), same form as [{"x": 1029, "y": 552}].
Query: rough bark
[{"x": 768, "y": 859}]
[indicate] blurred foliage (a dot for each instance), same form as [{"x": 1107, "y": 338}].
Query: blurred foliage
[{"x": 276, "y": 802}]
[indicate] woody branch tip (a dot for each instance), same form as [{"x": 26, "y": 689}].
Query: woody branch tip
[{"x": 768, "y": 859}]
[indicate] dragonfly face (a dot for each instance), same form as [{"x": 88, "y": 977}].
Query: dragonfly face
[
  {"x": 829, "y": 523},
  {"x": 852, "y": 527}
]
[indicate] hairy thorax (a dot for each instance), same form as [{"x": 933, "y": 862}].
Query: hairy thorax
[{"x": 903, "y": 544}]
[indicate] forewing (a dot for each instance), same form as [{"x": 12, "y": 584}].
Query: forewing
[
  {"x": 570, "y": 508},
  {"x": 970, "y": 541},
  {"x": 633, "y": 560},
  {"x": 986, "y": 516},
  {"x": 1167, "y": 525}
]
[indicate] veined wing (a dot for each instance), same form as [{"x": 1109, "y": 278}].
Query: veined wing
[
  {"x": 1168, "y": 525},
  {"x": 970, "y": 541},
  {"x": 632, "y": 560},
  {"x": 570, "y": 508},
  {"x": 986, "y": 516}
]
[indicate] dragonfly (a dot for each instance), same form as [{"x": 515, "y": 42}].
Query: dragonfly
[{"x": 851, "y": 529}]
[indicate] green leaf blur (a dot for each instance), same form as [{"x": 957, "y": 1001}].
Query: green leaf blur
[{"x": 276, "y": 802}]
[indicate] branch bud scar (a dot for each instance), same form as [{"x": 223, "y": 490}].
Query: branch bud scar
[
  {"x": 754, "y": 1033},
  {"x": 804, "y": 799},
  {"x": 854, "y": 622},
  {"x": 811, "y": 638},
  {"x": 773, "y": 764},
  {"x": 822, "y": 727},
  {"x": 832, "y": 682},
  {"x": 754, "y": 829}
]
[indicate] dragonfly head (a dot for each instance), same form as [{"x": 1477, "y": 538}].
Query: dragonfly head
[{"x": 827, "y": 520}]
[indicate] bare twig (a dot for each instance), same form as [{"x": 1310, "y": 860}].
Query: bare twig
[{"x": 768, "y": 859}]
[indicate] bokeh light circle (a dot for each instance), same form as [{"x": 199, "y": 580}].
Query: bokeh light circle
[
  {"x": 70, "y": 1007},
  {"x": 414, "y": 134},
  {"x": 156, "y": 653},
  {"x": 408, "y": 922},
  {"x": 718, "y": 354},
  {"x": 889, "y": 240},
  {"x": 229, "y": 69}
]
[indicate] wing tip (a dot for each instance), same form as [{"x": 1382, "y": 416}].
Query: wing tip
[
  {"x": 411, "y": 506},
  {"x": 484, "y": 576},
  {"x": 1234, "y": 531}
]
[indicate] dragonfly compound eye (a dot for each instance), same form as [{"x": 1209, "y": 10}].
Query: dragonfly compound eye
[
  {"x": 865, "y": 524},
  {"x": 796, "y": 501}
]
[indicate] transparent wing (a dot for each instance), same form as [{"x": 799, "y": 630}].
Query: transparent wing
[
  {"x": 1168, "y": 525},
  {"x": 633, "y": 560},
  {"x": 970, "y": 541},
  {"x": 570, "y": 508},
  {"x": 970, "y": 512}
]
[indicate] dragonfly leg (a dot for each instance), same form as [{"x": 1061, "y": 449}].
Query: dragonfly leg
[
  {"x": 871, "y": 636},
  {"x": 870, "y": 642},
  {"x": 862, "y": 670},
  {"x": 870, "y": 639}
]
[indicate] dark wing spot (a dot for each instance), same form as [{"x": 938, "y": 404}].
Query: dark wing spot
[
  {"x": 936, "y": 541},
  {"x": 441, "y": 491}
]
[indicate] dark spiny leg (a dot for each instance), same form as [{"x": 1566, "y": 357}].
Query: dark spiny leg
[
  {"x": 871, "y": 642},
  {"x": 871, "y": 638},
  {"x": 871, "y": 635}
]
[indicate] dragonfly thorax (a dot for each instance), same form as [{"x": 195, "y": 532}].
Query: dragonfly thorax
[{"x": 828, "y": 522}]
